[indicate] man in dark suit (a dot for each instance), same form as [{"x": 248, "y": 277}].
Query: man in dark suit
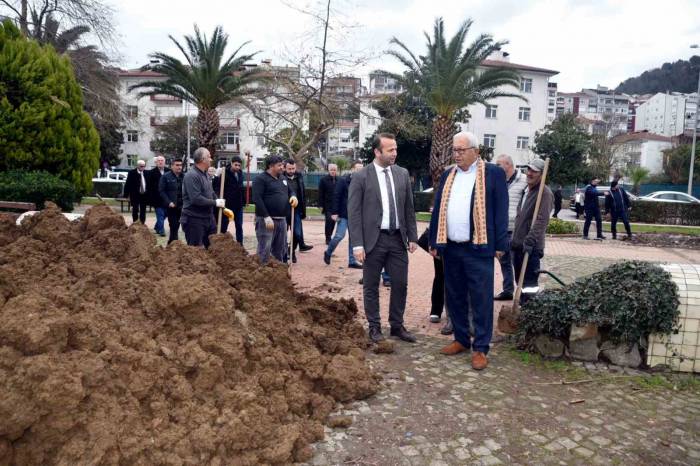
[
  {"x": 296, "y": 182},
  {"x": 233, "y": 193},
  {"x": 136, "y": 189},
  {"x": 326, "y": 189},
  {"x": 592, "y": 210},
  {"x": 382, "y": 224},
  {"x": 468, "y": 227},
  {"x": 154, "y": 199}
]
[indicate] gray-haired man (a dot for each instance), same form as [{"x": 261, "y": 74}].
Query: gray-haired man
[
  {"x": 517, "y": 182},
  {"x": 198, "y": 201}
]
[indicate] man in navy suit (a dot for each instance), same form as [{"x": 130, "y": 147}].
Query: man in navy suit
[{"x": 468, "y": 227}]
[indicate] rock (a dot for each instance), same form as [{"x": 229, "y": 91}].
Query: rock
[
  {"x": 621, "y": 354},
  {"x": 384, "y": 347},
  {"x": 583, "y": 342},
  {"x": 342, "y": 422},
  {"x": 583, "y": 332},
  {"x": 549, "y": 347}
]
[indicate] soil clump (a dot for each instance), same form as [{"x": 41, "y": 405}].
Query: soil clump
[{"x": 116, "y": 351}]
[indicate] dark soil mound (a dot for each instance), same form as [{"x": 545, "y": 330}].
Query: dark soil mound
[{"x": 116, "y": 351}]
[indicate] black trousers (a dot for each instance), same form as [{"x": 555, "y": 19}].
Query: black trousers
[
  {"x": 557, "y": 208},
  {"x": 437, "y": 297},
  {"x": 590, "y": 215},
  {"x": 389, "y": 253},
  {"x": 197, "y": 230},
  {"x": 579, "y": 210},
  {"x": 614, "y": 217},
  {"x": 174, "y": 222},
  {"x": 329, "y": 226},
  {"x": 139, "y": 204}
]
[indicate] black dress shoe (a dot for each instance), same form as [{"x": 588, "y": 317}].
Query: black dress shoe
[
  {"x": 305, "y": 247},
  {"x": 375, "y": 334},
  {"x": 402, "y": 334},
  {"x": 447, "y": 329},
  {"x": 503, "y": 296},
  {"x": 326, "y": 258},
  {"x": 354, "y": 266},
  {"x": 294, "y": 259}
]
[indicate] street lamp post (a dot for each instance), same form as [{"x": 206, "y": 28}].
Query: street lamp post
[{"x": 695, "y": 133}]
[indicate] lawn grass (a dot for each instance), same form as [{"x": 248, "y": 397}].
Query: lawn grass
[{"x": 94, "y": 201}]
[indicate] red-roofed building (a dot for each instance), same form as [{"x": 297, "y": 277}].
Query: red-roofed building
[{"x": 641, "y": 149}]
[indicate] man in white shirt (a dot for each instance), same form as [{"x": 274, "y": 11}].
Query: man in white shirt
[
  {"x": 382, "y": 224},
  {"x": 468, "y": 227}
]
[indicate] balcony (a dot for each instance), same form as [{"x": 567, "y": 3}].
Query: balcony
[
  {"x": 230, "y": 148},
  {"x": 233, "y": 123},
  {"x": 165, "y": 99},
  {"x": 159, "y": 121}
]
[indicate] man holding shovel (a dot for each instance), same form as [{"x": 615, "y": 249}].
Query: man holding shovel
[
  {"x": 271, "y": 194},
  {"x": 528, "y": 236}
]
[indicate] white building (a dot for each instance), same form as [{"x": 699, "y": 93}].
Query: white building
[
  {"x": 142, "y": 117},
  {"x": 601, "y": 104},
  {"x": 641, "y": 149},
  {"x": 380, "y": 84},
  {"x": 551, "y": 102},
  {"x": 509, "y": 124},
  {"x": 664, "y": 114}
]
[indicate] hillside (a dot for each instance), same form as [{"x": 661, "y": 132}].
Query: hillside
[{"x": 680, "y": 76}]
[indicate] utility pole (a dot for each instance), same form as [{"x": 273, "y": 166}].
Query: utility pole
[
  {"x": 189, "y": 149},
  {"x": 695, "y": 133}
]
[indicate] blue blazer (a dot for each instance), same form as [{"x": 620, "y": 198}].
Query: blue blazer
[{"x": 496, "y": 213}]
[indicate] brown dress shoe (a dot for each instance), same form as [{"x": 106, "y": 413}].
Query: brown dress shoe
[
  {"x": 479, "y": 361},
  {"x": 454, "y": 348}
]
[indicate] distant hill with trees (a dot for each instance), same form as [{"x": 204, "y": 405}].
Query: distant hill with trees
[{"x": 680, "y": 76}]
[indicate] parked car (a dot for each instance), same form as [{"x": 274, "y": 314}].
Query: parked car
[
  {"x": 670, "y": 196},
  {"x": 70, "y": 216},
  {"x": 111, "y": 176}
]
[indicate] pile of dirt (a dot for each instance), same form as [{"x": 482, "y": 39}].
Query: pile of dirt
[
  {"x": 116, "y": 351},
  {"x": 661, "y": 240}
]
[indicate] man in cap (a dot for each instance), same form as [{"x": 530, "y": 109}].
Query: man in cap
[{"x": 529, "y": 238}]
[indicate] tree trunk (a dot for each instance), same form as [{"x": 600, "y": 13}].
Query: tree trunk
[
  {"x": 23, "y": 19},
  {"x": 441, "y": 148},
  {"x": 208, "y": 129}
]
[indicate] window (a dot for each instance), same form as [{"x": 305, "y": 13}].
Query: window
[
  {"x": 491, "y": 111},
  {"x": 489, "y": 140},
  {"x": 552, "y": 93},
  {"x": 131, "y": 159},
  {"x": 526, "y": 84},
  {"x": 132, "y": 136},
  {"x": 132, "y": 111},
  {"x": 523, "y": 142},
  {"x": 372, "y": 121},
  {"x": 524, "y": 114},
  {"x": 229, "y": 138}
]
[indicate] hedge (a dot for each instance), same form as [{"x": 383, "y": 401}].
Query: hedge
[
  {"x": 670, "y": 213},
  {"x": 37, "y": 187}
]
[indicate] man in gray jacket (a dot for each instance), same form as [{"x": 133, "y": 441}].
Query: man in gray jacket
[
  {"x": 199, "y": 201},
  {"x": 517, "y": 183},
  {"x": 382, "y": 227},
  {"x": 526, "y": 239}
]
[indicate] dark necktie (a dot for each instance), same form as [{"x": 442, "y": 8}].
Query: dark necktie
[{"x": 392, "y": 206}]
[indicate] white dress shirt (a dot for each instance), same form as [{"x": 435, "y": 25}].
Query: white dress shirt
[
  {"x": 381, "y": 177},
  {"x": 459, "y": 207}
]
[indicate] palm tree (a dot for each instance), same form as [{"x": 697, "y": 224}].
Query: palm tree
[
  {"x": 638, "y": 175},
  {"x": 207, "y": 80},
  {"x": 448, "y": 79}
]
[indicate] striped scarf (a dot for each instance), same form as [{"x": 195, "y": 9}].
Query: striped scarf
[{"x": 479, "y": 236}]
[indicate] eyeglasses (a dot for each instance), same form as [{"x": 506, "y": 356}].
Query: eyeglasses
[{"x": 461, "y": 150}]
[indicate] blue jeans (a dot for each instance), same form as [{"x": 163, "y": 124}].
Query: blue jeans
[
  {"x": 160, "y": 220},
  {"x": 341, "y": 227},
  {"x": 238, "y": 222},
  {"x": 469, "y": 290},
  {"x": 271, "y": 243}
]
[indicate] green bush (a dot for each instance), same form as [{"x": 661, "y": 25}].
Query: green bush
[
  {"x": 561, "y": 227},
  {"x": 670, "y": 213},
  {"x": 42, "y": 122},
  {"x": 628, "y": 300},
  {"x": 108, "y": 188},
  {"x": 37, "y": 187}
]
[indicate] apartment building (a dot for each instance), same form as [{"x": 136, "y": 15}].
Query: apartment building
[
  {"x": 641, "y": 149},
  {"x": 667, "y": 114},
  {"x": 508, "y": 124},
  {"x": 344, "y": 93}
]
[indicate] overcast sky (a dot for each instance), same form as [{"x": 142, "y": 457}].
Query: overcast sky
[{"x": 589, "y": 42}]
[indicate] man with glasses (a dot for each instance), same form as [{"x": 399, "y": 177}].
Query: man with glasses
[
  {"x": 468, "y": 227},
  {"x": 136, "y": 189}
]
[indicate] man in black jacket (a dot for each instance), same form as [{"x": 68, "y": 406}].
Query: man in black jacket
[
  {"x": 233, "y": 193},
  {"x": 617, "y": 204},
  {"x": 170, "y": 190},
  {"x": 272, "y": 195},
  {"x": 592, "y": 210},
  {"x": 136, "y": 189},
  {"x": 153, "y": 182},
  {"x": 296, "y": 182},
  {"x": 339, "y": 215},
  {"x": 326, "y": 188}
]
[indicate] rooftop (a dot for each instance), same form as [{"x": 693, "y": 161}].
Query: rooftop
[
  {"x": 640, "y": 136},
  {"x": 506, "y": 64}
]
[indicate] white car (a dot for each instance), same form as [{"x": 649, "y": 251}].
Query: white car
[
  {"x": 111, "y": 176},
  {"x": 29, "y": 213},
  {"x": 670, "y": 196}
]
